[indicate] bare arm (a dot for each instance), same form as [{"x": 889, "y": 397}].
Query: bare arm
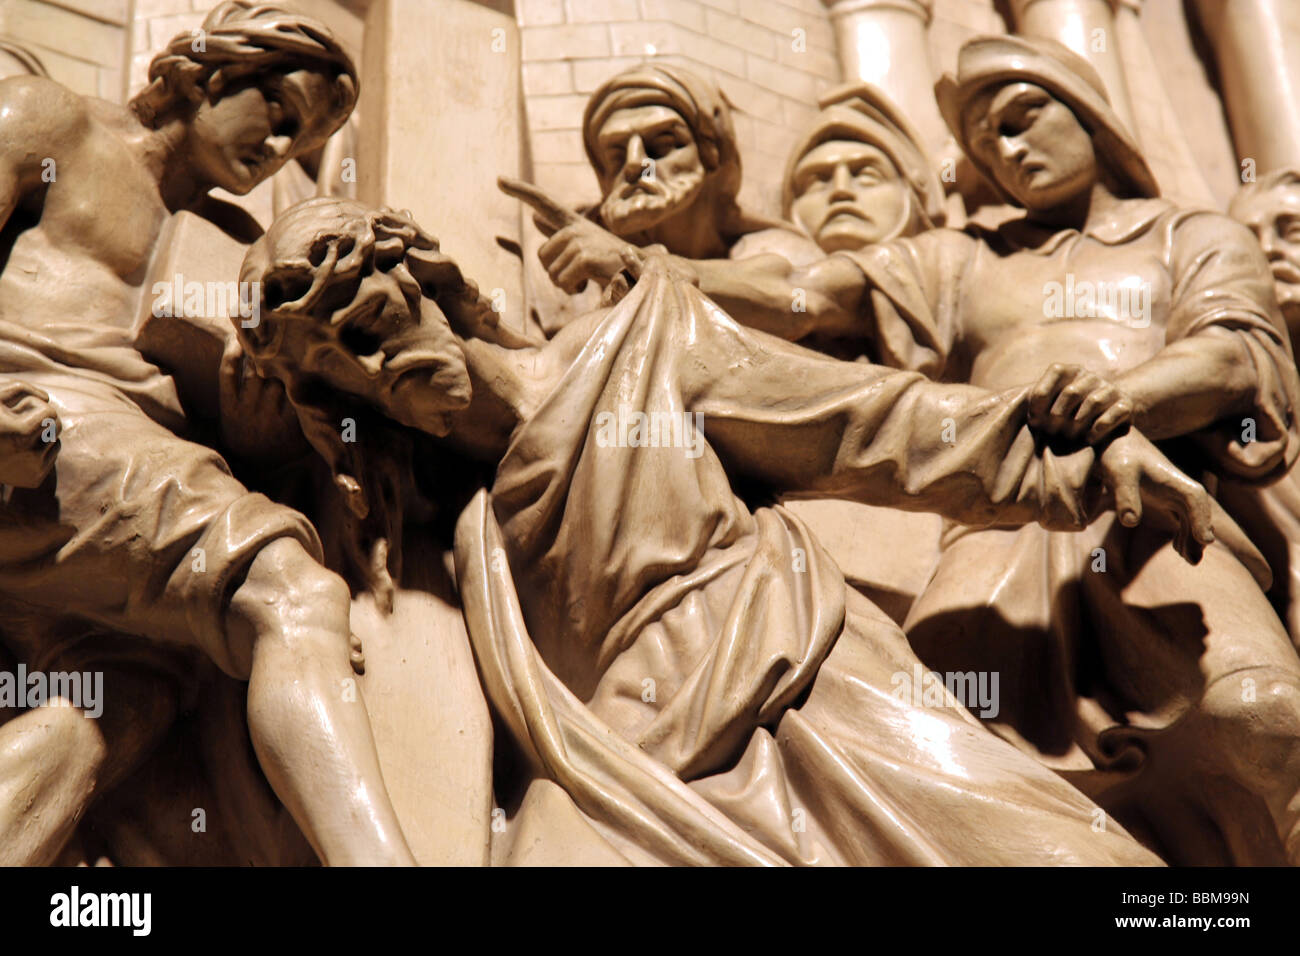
[
  {"x": 1190, "y": 385},
  {"x": 767, "y": 293},
  {"x": 764, "y": 292}
]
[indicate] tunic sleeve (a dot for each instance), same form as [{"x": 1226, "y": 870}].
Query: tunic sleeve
[
  {"x": 1222, "y": 286},
  {"x": 912, "y": 304}
]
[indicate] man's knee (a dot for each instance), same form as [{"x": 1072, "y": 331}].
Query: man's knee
[
  {"x": 54, "y": 742},
  {"x": 1256, "y": 718},
  {"x": 289, "y": 598}
]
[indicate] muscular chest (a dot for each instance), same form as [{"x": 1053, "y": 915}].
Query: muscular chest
[{"x": 105, "y": 207}]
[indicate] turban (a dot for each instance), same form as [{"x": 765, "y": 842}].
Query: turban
[
  {"x": 997, "y": 60},
  {"x": 702, "y": 105},
  {"x": 863, "y": 113},
  {"x": 237, "y": 38}
]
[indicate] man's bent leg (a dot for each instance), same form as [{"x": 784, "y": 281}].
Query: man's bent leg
[
  {"x": 305, "y": 713},
  {"x": 1245, "y": 681},
  {"x": 150, "y": 535}
]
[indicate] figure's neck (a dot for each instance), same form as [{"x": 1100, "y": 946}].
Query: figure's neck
[
  {"x": 1085, "y": 212},
  {"x": 163, "y": 152},
  {"x": 691, "y": 233}
]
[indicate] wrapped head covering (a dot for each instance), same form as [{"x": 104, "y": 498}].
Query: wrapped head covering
[
  {"x": 702, "y": 105},
  {"x": 863, "y": 113},
  {"x": 238, "y": 38},
  {"x": 996, "y": 60},
  {"x": 706, "y": 111}
]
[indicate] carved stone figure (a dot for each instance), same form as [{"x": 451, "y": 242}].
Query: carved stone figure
[
  {"x": 1196, "y": 349},
  {"x": 138, "y": 531},
  {"x": 1270, "y": 511},
  {"x": 1270, "y": 208},
  {"x": 695, "y": 537},
  {"x": 661, "y": 142},
  {"x": 861, "y": 174},
  {"x": 1125, "y": 309},
  {"x": 638, "y": 628}
]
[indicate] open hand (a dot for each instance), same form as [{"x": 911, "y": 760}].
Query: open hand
[{"x": 1142, "y": 480}]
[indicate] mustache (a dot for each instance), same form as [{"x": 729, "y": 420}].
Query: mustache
[{"x": 639, "y": 185}]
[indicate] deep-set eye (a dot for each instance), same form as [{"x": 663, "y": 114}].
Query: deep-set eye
[
  {"x": 389, "y": 255},
  {"x": 662, "y": 145},
  {"x": 281, "y": 121},
  {"x": 286, "y": 287},
  {"x": 338, "y": 294},
  {"x": 812, "y": 179},
  {"x": 360, "y": 342}
]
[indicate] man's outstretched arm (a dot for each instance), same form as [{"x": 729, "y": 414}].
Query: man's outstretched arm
[{"x": 807, "y": 423}]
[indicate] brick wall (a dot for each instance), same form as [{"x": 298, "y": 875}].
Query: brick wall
[
  {"x": 155, "y": 22},
  {"x": 747, "y": 47},
  {"x": 81, "y": 42}
]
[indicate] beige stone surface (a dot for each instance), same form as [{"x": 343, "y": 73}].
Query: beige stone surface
[
  {"x": 749, "y": 49},
  {"x": 431, "y": 725},
  {"x": 441, "y": 162}
]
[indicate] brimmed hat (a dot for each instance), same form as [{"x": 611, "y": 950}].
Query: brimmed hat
[
  {"x": 862, "y": 113},
  {"x": 989, "y": 60}
]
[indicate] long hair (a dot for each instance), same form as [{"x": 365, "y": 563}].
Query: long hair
[{"x": 240, "y": 38}]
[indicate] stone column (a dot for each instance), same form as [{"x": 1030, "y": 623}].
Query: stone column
[
  {"x": 884, "y": 42},
  {"x": 1088, "y": 28},
  {"x": 1257, "y": 46},
  {"x": 440, "y": 90},
  {"x": 1165, "y": 136}
]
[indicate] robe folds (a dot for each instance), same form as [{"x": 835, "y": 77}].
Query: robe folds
[{"x": 687, "y": 679}]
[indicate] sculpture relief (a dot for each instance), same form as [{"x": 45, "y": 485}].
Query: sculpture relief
[{"x": 844, "y": 538}]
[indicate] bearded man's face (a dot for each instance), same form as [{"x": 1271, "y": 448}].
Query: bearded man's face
[
  {"x": 649, "y": 168},
  {"x": 362, "y": 323}
]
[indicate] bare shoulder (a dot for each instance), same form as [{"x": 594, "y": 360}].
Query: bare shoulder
[{"x": 36, "y": 108}]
